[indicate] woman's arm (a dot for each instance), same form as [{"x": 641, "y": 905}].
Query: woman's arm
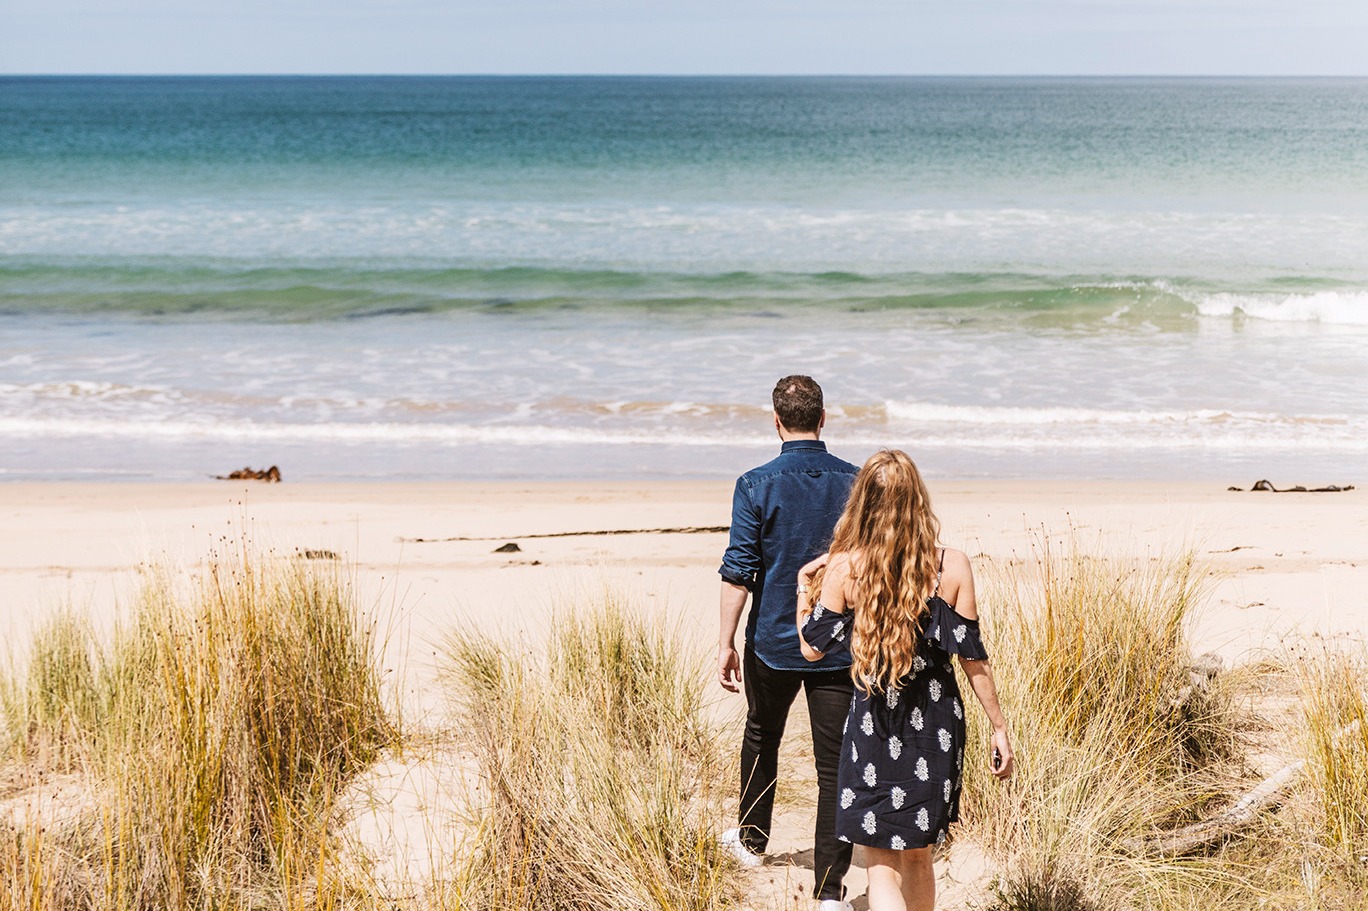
[
  {"x": 806, "y": 576},
  {"x": 980, "y": 676},
  {"x": 957, "y": 582},
  {"x": 833, "y": 597}
]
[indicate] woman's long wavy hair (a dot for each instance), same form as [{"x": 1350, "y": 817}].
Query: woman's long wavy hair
[{"x": 890, "y": 533}]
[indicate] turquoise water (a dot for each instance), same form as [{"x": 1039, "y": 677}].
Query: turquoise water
[{"x": 583, "y": 277}]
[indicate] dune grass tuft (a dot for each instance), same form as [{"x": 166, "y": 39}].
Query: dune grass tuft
[
  {"x": 211, "y": 734},
  {"x": 1334, "y": 699},
  {"x": 600, "y": 780},
  {"x": 1043, "y": 889},
  {"x": 53, "y": 703},
  {"x": 1118, "y": 736}
]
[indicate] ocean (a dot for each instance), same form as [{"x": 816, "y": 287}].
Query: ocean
[{"x": 470, "y": 278}]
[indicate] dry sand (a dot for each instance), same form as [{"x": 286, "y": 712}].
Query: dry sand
[
  {"x": 1290, "y": 565},
  {"x": 1286, "y": 563}
]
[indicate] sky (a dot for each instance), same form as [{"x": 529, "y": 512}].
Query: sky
[{"x": 960, "y": 37}]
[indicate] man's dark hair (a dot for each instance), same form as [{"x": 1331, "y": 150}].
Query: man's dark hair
[{"x": 798, "y": 402}]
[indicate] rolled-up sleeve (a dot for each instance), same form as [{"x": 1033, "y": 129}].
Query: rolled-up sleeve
[{"x": 741, "y": 562}]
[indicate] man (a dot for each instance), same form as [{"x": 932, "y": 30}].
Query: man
[{"x": 783, "y": 514}]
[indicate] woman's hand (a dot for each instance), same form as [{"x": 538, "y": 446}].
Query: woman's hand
[
  {"x": 806, "y": 575},
  {"x": 1000, "y": 758}
]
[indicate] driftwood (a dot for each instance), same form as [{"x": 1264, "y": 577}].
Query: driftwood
[
  {"x": 685, "y": 530},
  {"x": 1267, "y": 486},
  {"x": 1200, "y": 675},
  {"x": 1266, "y": 795},
  {"x": 270, "y": 475}
]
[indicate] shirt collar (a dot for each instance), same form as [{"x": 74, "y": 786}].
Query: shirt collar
[{"x": 791, "y": 445}]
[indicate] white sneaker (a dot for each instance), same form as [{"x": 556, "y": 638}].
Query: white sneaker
[
  {"x": 731, "y": 842},
  {"x": 834, "y": 904}
]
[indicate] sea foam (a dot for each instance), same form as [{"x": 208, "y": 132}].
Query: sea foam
[
  {"x": 924, "y": 412},
  {"x": 1344, "y": 308}
]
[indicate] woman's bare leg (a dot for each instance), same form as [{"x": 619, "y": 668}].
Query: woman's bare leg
[
  {"x": 918, "y": 880},
  {"x": 885, "y": 879},
  {"x": 900, "y": 880}
]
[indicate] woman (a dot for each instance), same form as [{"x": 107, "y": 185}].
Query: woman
[{"x": 901, "y": 606}]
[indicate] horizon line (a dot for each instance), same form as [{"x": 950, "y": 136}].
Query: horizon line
[{"x": 589, "y": 75}]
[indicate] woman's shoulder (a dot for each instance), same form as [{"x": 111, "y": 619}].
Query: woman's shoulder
[
  {"x": 956, "y": 575},
  {"x": 955, "y": 563}
]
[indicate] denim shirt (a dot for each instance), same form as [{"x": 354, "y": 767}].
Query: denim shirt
[{"x": 783, "y": 514}]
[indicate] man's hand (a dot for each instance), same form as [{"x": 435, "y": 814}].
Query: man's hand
[
  {"x": 729, "y": 669},
  {"x": 732, "y": 603}
]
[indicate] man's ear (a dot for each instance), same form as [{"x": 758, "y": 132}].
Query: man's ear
[
  {"x": 821, "y": 422},
  {"x": 778, "y": 424}
]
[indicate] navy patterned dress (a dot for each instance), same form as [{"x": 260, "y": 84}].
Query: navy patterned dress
[{"x": 903, "y": 751}]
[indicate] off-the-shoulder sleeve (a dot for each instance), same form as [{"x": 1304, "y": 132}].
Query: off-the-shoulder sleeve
[
  {"x": 957, "y": 635},
  {"x": 828, "y": 631}
]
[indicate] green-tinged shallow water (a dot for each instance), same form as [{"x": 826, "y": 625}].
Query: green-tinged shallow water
[{"x": 569, "y": 277}]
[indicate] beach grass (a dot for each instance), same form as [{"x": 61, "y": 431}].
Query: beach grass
[
  {"x": 1125, "y": 738},
  {"x": 199, "y": 748},
  {"x": 601, "y": 782},
  {"x": 1334, "y": 745},
  {"x": 195, "y": 755},
  {"x": 1121, "y": 732}
]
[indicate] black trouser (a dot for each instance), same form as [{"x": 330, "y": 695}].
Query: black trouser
[{"x": 769, "y": 695}]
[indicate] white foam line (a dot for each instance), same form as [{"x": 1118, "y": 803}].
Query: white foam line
[
  {"x": 520, "y": 434},
  {"x": 927, "y": 412},
  {"x": 526, "y": 435}
]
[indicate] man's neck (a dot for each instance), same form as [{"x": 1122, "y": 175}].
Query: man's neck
[{"x": 790, "y": 436}]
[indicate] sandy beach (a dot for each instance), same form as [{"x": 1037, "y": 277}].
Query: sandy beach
[
  {"x": 1282, "y": 567},
  {"x": 1282, "y": 563}
]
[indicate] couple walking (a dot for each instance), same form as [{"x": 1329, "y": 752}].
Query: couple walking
[{"x": 853, "y": 602}]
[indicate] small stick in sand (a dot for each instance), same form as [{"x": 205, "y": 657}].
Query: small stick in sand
[{"x": 685, "y": 530}]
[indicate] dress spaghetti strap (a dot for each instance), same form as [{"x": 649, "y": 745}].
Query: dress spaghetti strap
[{"x": 940, "y": 566}]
